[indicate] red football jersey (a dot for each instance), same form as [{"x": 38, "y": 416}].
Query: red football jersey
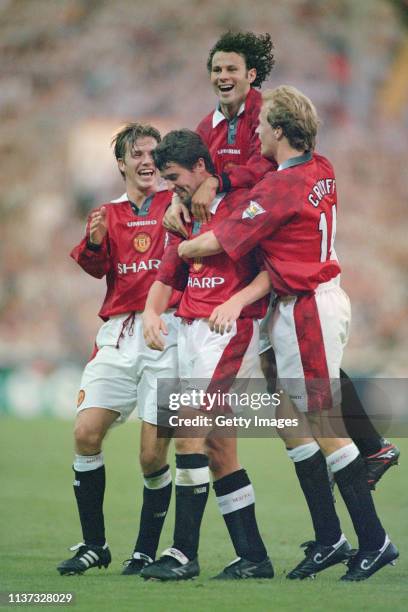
[
  {"x": 129, "y": 255},
  {"x": 210, "y": 281},
  {"x": 235, "y": 146},
  {"x": 291, "y": 216}
]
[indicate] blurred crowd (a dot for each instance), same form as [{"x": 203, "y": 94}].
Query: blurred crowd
[{"x": 74, "y": 71}]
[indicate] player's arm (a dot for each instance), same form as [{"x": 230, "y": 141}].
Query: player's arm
[
  {"x": 157, "y": 302},
  {"x": 92, "y": 253},
  {"x": 223, "y": 316},
  {"x": 202, "y": 246},
  {"x": 202, "y": 198},
  {"x": 176, "y": 216},
  {"x": 248, "y": 175},
  {"x": 172, "y": 274}
]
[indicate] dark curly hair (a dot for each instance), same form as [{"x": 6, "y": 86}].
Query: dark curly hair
[
  {"x": 182, "y": 147},
  {"x": 256, "y": 50}
]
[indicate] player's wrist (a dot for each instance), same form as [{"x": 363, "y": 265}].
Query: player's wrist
[
  {"x": 215, "y": 182},
  {"x": 93, "y": 246}
]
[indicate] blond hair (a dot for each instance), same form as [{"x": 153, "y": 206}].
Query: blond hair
[{"x": 286, "y": 107}]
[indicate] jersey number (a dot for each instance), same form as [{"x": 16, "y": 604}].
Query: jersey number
[{"x": 323, "y": 229}]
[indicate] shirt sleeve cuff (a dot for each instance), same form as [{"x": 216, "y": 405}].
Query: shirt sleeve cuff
[
  {"x": 224, "y": 183},
  {"x": 93, "y": 247}
]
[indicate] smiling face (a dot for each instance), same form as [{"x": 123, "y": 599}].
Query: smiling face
[
  {"x": 231, "y": 80},
  {"x": 138, "y": 165},
  {"x": 182, "y": 181}
]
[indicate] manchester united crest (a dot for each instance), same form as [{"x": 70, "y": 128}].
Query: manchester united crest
[
  {"x": 142, "y": 242},
  {"x": 198, "y": 264}
]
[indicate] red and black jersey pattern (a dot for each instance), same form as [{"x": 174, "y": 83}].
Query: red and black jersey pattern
[
  {"x": 130, "y": 254},
  {"x": 210, "y": 281},
  {"x": 291, "y": 216},
  {"x": 240, "y": 162}
]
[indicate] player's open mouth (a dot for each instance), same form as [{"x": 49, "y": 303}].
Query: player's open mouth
[
  {"x": 146, "y": 173},
  {"x": 225, "y": 88}
]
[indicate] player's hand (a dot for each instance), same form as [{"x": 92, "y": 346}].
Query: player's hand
[
  {"x": 201, "y": 200},
  {"x": 223, "y": 317},
  {"x": 98, "y": 226},
  {"x": 175, "y": 214},
  {"x": 153, "y": 328},
  {"x": 183, "y": 249}
]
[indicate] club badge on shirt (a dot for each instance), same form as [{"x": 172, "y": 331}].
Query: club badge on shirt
[
  {"x": 198, "y": 264},
  {"x": 252, "y": 210},
  {"x": 142, "y": 242}
]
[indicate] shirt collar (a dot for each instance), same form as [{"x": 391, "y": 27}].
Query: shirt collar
[
  {"x": 296, "y": 161},
  {"x": 216, "y": 202},
  {"x": 218, "y": 116},
  {"x": 123, "y": 198}
]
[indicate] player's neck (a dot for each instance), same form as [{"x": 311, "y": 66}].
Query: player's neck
[
  {"x": 285, "y": 152},
  {"x": 138, "y": 196},
  {"x": 231, "y": 110}
]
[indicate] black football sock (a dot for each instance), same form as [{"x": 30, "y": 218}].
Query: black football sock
[
  {"x": 192, "y": 486},
  {"x": 156, "y": 500},
  {"x": 236, "y": 501},
  {"x": 312, "y": 474},
  {"x": 356, "y": 420},
  {"x": 89, "y": 488},
  {"x": 351, "y": 477}
]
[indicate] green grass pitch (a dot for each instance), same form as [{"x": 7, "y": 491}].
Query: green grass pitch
[{"x": 39, "y": 521}]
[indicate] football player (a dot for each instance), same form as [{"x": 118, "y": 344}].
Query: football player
[
  {"x": 291, "y": 216},
  {"x": 124, "y": 243},
  {"x": 185, "y": 162},
  {"x": 238, "y": 64}
]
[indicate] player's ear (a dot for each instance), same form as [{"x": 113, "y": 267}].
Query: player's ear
[
  {"x": 199, "y": 166},
  {"x": 121, "y": 164},
  {"x": 278, "y": 132},
  {"x": 251, "y": 75}
]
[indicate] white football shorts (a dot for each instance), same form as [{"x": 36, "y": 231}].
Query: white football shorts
[
  {"x": 309, "y": 334},
  {"x": 217, "y": 363},
  {"x": 124, "y": 372}
]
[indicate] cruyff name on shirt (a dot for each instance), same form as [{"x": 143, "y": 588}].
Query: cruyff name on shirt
[{"x": 320, "y": 189}]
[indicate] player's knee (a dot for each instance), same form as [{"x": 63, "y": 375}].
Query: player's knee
[
  {"x": 151, "y": 460},
  {"x": 220, "y": 458},
  {"x": 87, "y": 439},
  {"x": 188, "y": 446}
]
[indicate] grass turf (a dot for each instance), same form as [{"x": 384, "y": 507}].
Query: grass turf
[{"x": 39, "y": 521}]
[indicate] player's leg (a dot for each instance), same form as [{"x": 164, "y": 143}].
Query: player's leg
[
  {"x": 154, "y": 370},
  {"x": 323, "y": 318},
  {"x": 311, "y": 470},
  {"x": 109, "y": 383},
  {"x": 156, "y": 497},
  {"x": 89, "y": 487},
  {"x": 343, "y": 458},
  {"x": 180, "y": 561},
  {"x": 378, "y": 453},
  {"x": 232, "y": 485}
]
